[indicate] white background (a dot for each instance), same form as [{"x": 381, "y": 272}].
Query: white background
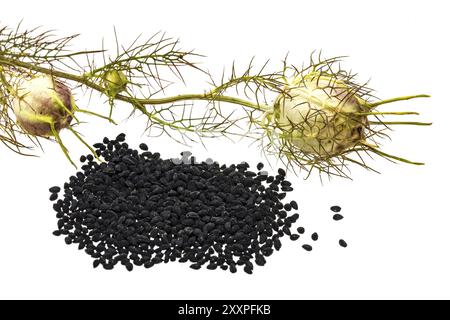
[{"x": 397, "y": 224}]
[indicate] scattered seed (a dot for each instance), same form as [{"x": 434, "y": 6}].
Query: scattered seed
[
  {"x": 307, "y": 247},
  {"x": 54, "y": 189},
  {"x": 315, "y": 236},
  {"x": 294, "y": 205},
  {"x": 294, "y": 237},
  {"x": 335, "y": 209},
  {"x": 120, "y": 137},
  {"x": 342, "y": 243},
  {"x": 53, "y": 196},
  {"x": 260, "y": 166},
  {"x": 286, "y": 184},
  {"x": 301, "y": 230},
  {"x": 129, "y": 266},
  {"x": 337, "y": 217},
  {"x": 143, "y": 146}
]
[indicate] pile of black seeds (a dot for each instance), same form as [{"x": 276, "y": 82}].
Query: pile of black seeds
[{"x": 137, "y": 209}]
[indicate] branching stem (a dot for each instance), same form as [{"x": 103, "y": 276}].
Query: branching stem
[
  {"x": 83, "y": 79},
  {"x": 23, "y": 54}
]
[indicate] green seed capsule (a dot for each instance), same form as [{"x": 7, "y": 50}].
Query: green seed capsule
[{"x": 114, "y": 81}]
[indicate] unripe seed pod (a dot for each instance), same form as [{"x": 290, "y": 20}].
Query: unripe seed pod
[
  {"x": 115, "y": 81},
  {"x": 42, "y": 102}
]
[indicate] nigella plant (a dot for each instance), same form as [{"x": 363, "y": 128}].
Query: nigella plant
[{"x": 317, "y": 117}]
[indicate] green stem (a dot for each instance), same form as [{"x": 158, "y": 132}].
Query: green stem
[
  {"x": 77, "y": 135},
  {"x": 208, "y": 97},
  {"x": 387, "y": 155},
  {"x": 96, "y": 114},
  {"x": 401, "y": 123},
  {"x": 61, "y": 144},
  {"x": 379, "y": 103},
  {"x": 83, "y": 79},
  {"x": 386, "y": 113}
]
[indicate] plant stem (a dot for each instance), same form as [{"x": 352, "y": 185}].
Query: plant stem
[
  {"x": 387, "y": 155},
  {"x": 386, "y": 113},
  {"x": 208, "y": 97},
  {"x": 379, "y": 103},
  {"x": 400, "y": 123},
  {"x": 77, "y": 135},
  {"x": 83, "y": 79}
]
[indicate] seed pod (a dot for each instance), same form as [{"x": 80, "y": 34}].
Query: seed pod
[
  {"x": 323, "y": 120},
  {"x": 114, "y": 81},
  {"x": 321, "y": 116},
  {"x": 43, "y": 105}
]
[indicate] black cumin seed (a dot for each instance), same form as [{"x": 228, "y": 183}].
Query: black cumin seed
[
  {"x": 335, "y": 209},
  {"x": 248, "y": 269},
  {"x": 129, "y": 266},
  {"x": 195, "y": 266},
  {"x": 294, "y": 237},
  {"x": 294, "y": 205},
  {"x": 54, "y": 189}
]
